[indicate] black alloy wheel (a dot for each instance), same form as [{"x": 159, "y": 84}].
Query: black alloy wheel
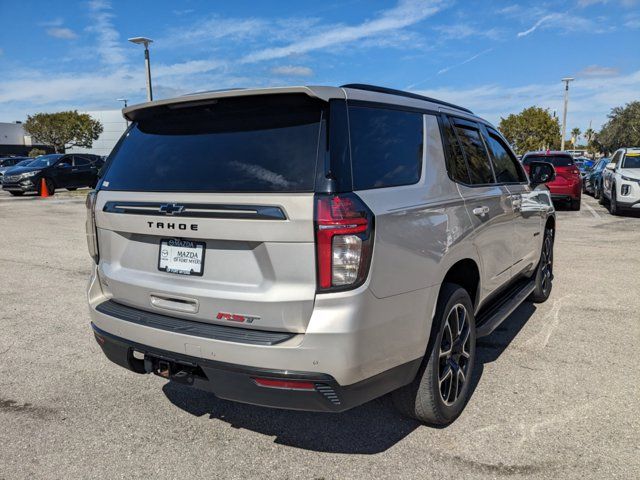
[{"x": 454, "y": 355}]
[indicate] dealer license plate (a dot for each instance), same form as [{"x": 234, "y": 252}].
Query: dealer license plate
[{"x": 184, "y": 257}]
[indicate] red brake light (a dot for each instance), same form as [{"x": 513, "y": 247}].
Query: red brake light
[{"x": 344, "y": 241}]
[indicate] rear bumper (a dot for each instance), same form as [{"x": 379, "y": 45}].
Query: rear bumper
[
  {"x": 236, "y": 383},
  {"x": 351, "y": 337}
]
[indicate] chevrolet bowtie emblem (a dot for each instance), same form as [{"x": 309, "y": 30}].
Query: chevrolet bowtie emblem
[{"x": 171, "y": 208}]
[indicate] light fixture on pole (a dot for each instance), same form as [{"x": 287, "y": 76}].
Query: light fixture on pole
[
  {"x": 124, "y": 100},
  {"x": 566, "y": 81},
  {"x": 145, "y": 41}
]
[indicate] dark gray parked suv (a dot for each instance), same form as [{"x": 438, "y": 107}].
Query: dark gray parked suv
[{"x": 313, "y": 248}]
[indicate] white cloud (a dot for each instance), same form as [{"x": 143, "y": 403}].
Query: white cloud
[
  {"x": 60, "y": 32},
  {"x": 292, "y": 71},
  {"x": 625, "y": 3},
  {"x": 214, "y": 28},
  {"x": 546, "y": 18},
  {"x": 590, "y": 98},
  {"x": 405, "y": 14},
  {"x": 564, "y": 22},
  {"x": 598, "y": 71},
  {"x": 109, "y": 42},
  {"x": 187, "y": 68},
  {"x": 464, "y": 30}
]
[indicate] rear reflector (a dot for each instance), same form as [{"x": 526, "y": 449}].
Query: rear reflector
[{"x": 284, "y": 384}]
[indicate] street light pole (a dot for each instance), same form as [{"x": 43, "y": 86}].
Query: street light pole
[
  {"x": 564, "y": 115},
  {"x": 145, "y": 41},
  {"x": 124, "y": 100}
]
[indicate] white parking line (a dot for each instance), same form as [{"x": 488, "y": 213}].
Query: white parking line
[{"x": 593, "y": 212}]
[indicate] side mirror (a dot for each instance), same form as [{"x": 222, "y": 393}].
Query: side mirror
[
  {"x": 541, "y": 172},
  {"x": 62, "y": 165},
  {"x": 610, "y": 166}
]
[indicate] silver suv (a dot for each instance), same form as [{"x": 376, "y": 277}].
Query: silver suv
[{"x": 314, "y": 248}]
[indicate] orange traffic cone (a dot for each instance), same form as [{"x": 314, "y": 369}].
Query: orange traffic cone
[{"x": 44, "y": 191}]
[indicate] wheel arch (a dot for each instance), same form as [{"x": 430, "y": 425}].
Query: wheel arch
[{"x": 466, "y": 273}]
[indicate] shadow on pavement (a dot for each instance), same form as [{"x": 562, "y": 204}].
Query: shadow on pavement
[{"x": 368, "y": 429}]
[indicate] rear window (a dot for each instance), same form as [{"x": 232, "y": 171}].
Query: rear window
[
  {"x": 556, "y": 160},
  {"x": 241, "y": 144},
  {"x": 386, "y": 147}
]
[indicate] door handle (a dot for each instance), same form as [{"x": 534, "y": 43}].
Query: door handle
[{"x": 481, "y": 211}]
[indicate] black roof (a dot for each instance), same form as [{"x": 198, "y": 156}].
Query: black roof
[{"x": 402, "y": 93}]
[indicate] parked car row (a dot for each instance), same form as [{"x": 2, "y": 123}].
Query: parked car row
[
  {"x": 70, "y": 171},
  {"x": 567, "y": 186},
  {"x": 621, "y": 181}
]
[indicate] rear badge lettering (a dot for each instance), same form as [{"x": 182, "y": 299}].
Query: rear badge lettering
[
  {"x": 236, "y": 317},
  {"x": 174, "y": 226}
]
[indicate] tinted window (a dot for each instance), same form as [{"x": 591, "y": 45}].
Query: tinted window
[
  {"x": 506, "y": 168},
  {"x": 631, "y": 160},
  {"x": 457, "y": 164},
  {"x": 386, "y": 147},
  {"x": 556, "y": 160},
  {"x": 476, "y": 155},
  {"x": 80, "y": 162},
  {"x": 242, "y": 144}
]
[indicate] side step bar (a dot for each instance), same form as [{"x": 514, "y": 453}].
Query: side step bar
[{"x": 488, "y": 320}]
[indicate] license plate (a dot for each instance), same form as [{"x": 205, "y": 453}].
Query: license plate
[{"x": 184, "y": 257}]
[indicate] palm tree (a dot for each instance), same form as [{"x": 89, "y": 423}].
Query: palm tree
[
  {"x": 575, "y": 133},
  {"x": 589, "y": 133}
]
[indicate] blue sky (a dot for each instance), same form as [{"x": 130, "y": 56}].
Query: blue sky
[{"x": 493, "y": 57}]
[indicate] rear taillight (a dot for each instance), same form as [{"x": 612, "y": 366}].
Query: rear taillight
[
  {"x": 90, "y": 226},
  {"x": 344, "y": 241}
]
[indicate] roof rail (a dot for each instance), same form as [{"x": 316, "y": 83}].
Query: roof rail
[{"x": 401, "y": 93}]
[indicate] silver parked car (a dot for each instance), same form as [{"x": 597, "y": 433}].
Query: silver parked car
[{"x": 314, "y": 248}]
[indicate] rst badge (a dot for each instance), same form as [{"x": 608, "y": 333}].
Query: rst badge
[{"x": 237, "y": 317}]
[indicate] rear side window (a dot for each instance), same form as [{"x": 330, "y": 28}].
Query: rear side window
[
  {"x": 477, "y": 159},
  {"x": 456, "y": 162},
  {"x": 505, "y": 166},
  {"x": 386, "y": 147},
  {"x": 556, "y": 160},
  {"x": 240, "y": 144},
  {"x": 80, "y": 162}
]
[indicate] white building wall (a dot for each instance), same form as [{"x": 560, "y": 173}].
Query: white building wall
[{"x": 114, "y": 126}]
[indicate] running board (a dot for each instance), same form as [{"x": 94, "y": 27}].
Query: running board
[{"x": 489, "y": 319}]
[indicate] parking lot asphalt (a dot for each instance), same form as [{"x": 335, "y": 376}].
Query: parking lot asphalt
[{"x": 557, "y": 391}]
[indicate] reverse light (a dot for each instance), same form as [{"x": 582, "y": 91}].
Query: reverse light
[
  {"x": 344, "y": 241},
  {"x": 90, "y": 226}
]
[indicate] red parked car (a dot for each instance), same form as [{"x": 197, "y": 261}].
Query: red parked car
[{"x": 567, "y": 185}]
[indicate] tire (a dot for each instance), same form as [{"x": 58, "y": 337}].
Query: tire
[
  {"x": 596, "y": 192},
  {"x": 447, "y": 365},
  {"x": 544, "y": 272},
  {"x": 575, "y": 204},
  {"x": 51, "y": 188},
  {"x": 613, "y": 203},
  {"x": 17, "y": 194}
]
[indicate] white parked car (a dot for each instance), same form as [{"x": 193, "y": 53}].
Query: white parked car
[{"x": 621, "y": 181}]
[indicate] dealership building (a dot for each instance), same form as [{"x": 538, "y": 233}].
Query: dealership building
[{"x": 15, "y": 141}]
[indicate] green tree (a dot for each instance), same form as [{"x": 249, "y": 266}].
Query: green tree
[
  {"x": 575, "y": 134},
  {"x": 534, "y": 128},
  {"x": 622, "y": 129},
  {"x": 63, "y": 129},
  {"x": 34, "y": 152}
]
